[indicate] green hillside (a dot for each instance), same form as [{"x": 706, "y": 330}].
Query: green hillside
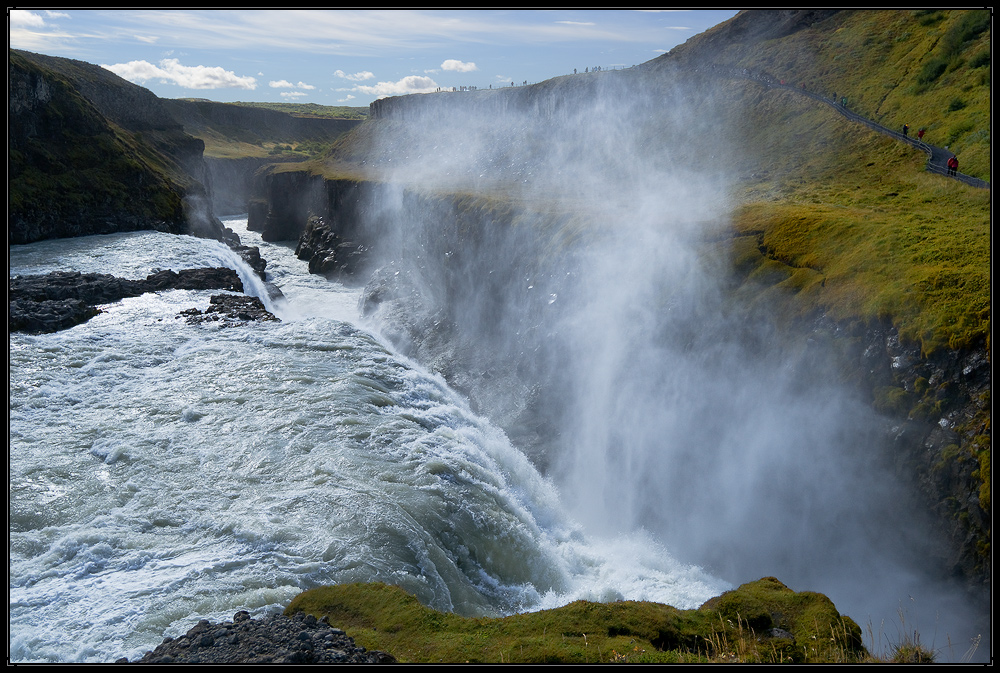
[
  {"x": 312, "y": 110},
  {"x": 72, "y": 171},
  {"x": 926, "y": 68},
  {"x": 882, "y": 237}
]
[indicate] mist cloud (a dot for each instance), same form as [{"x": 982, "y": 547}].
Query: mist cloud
[
  {"x": 190, "y": 77},
  {"x": 674, "y": 408}
]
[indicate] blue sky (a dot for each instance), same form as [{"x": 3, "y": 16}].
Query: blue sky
[{"x": 349, "y": 57}]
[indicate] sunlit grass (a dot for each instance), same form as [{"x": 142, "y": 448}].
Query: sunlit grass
[{"x": 761, "y": 621}]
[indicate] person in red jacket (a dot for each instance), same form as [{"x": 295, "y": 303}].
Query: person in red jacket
[{"x": 952, "y": 165}]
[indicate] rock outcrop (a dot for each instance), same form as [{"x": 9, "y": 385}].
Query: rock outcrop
[
  {"x": 276, "y": 639},
  {"x": 62, "y": 299},
  {"x": 230, "y": 310},
  {"x": 91, "y": 153}
]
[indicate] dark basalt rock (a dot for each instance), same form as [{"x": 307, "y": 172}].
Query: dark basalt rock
[
  {"x": 231, "y": 310},
  {"x": 276, "y": 639},
  {"x": 26, "y": 315},
  {"x": 62, "y": 299}
]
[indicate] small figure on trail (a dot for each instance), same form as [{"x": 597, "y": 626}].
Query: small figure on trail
[
  {"x": 906, "y": 130},
  {"x": 843, "y": 101},
  {"x": 920, "y": 134},
  {"x": 952, "y": 165}
]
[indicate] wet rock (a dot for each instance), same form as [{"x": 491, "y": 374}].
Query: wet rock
[
  {"x": 231, "y": 310},
  {"x": 271, "y": 640},
  {"x": 62, "y": 299}
]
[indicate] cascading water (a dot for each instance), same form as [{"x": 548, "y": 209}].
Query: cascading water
[
  {"x": 670, "y": 406},
  {"x": 163, "y": 472}
]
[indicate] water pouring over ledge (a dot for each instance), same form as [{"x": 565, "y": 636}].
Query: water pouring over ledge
[
  {"x": 162, "y": 473},
  {"x": 670, "y": 405},
  {"x": 633, "y": 448}
]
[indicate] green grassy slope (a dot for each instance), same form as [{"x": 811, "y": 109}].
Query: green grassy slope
[
  {"x": 734, "y": 627},
  {"x": 885, "y": 238},
  {"x": 271, "y": 134},
  {"x": 926, "y": 68},
  {"x": 312, "y": 110}
]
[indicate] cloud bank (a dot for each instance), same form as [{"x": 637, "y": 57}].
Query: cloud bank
[
  {"x": 285, "y": 84},
  {"x": 409, "y": 84},
  {"x": 190, "y": 77}
]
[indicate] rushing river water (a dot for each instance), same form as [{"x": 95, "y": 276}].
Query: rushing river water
[{"x": 162, "y": 472}]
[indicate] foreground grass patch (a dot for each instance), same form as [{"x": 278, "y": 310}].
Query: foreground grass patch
[{"x": 762, "y": 621}]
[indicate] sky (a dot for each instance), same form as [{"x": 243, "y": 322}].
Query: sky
[{"x": 349, "y": 57}]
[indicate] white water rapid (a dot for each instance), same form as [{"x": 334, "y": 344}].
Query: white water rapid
[{"x": 162, "y": 472}]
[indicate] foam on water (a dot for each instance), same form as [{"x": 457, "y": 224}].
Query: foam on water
[{"x": 162, "y": 472}]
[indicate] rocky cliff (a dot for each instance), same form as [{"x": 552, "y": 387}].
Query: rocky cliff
[
  {"x": 91, "y": 153},
  {"x": 231, "y": 130}
]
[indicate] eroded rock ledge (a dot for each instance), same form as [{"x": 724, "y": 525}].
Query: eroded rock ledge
[{"x": 62, "y": 299}]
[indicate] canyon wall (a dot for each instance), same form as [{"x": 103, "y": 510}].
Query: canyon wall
[
  {"x": 451, "y": 310},
  {"x": 91, "y": 153}
]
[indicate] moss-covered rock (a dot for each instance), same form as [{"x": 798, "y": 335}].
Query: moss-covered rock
[{"x": 762, "y": 621}]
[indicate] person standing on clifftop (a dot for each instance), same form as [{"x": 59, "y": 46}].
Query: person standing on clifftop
[
  {"x": 906, "y": 130},
  {"x": 920, "y": 134},
  {"x": 953, "y": 165}
]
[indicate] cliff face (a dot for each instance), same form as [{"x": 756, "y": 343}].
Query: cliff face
[
  {"x": 935, "y": 410},
  {"x": 251, "y": 124},
  {"x": 230, "y": 130},
  {"x": 91, "y": 153}
]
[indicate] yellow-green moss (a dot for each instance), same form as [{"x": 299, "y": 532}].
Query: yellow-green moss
[{"x": 735, "y": 625}]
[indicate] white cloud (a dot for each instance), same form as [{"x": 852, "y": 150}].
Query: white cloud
[
  {"x": 20, "y": 18},
  {"x": 292, "y": 95},
  {"x": 409, "y": 84},
  {"x": 356, "y": 77},
  {"x": 458, "y": 66},
  {"x": 190, "y": 77},
  {"x": 56, "y": 15},
  {"x": 285, "y": 84},
  {"x": 148, "y": 39},
  {"x": 577, "y": 23}
]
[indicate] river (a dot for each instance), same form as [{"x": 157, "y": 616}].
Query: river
[{"x": 163, "y": 472}]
